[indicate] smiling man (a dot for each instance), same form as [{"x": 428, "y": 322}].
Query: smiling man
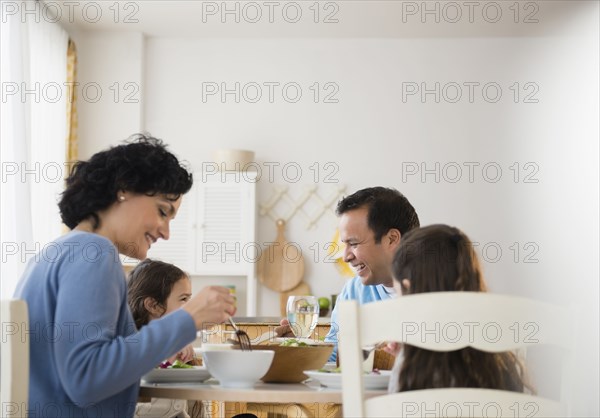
[{"x": 372, "y": 222}]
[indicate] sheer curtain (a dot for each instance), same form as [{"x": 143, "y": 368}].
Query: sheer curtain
[{"x": 33, "y": 129}]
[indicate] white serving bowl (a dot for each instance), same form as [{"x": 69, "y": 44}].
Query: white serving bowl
[
  {"x": 215, "y": 347},
  {"x": 236, "y": 368}
]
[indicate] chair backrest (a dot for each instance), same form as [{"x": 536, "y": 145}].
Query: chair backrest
[
  {"x": 14, "y": 367},
  {"x": 448, "y": 321}
]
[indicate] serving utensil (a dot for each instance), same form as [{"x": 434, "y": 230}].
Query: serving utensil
[
  {"x": 367, "y": 350},
  {"x": 368, "y": 362},
  {"x": 242, "y": 337},
  {"x": 267, "y": 336}
]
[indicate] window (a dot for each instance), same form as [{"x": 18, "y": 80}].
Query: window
[{"x": 33, "y": 130}]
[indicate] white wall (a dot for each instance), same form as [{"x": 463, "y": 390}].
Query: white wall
[
  {"x": 371, "y": 132},
  {"x": 110, "y": 92},
  {"x": 373, "y": 137}
]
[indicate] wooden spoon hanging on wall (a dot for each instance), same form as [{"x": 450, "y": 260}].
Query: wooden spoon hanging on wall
[{"x": 281, "y": 265}]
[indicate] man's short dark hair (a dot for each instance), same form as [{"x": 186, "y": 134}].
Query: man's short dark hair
[{"x": 387, "y": 209}]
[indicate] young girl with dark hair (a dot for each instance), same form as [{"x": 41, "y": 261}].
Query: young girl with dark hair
[
  {"x": 440, "y": 258},
  {"x": 155, "y": 289}
]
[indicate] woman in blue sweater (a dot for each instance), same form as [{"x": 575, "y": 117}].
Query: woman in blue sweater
[{"x": 87, "y": 356}]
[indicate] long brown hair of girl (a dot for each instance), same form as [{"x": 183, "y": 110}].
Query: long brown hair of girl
[
  {"x": 441, "y": 258},
  {"x": 150, "y": 278}
]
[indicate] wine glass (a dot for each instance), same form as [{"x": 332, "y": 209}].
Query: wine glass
[{"x": 303, "y": 314}]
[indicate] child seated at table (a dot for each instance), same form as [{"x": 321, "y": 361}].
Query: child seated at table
[
  {"x": 154, "y": 289},
  {"x": 440, "y": 258}
]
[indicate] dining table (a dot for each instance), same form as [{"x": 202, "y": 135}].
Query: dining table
[
  {"x": 307, "y": 399},
  {"x": 310, "y": 395}
]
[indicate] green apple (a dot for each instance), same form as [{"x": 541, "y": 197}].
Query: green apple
[{"x": 323, "y": 303}]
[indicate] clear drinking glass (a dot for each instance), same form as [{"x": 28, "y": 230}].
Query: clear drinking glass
[{"x": 303, "y": 314}]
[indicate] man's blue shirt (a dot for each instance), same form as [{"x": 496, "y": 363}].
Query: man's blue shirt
[{"x": 354, "y": 289}]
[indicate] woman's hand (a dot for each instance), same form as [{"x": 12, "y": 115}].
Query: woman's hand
[{"x": 213, "y": 305}]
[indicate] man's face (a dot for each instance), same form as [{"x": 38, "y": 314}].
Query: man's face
[{"x": 372, "y": 261}]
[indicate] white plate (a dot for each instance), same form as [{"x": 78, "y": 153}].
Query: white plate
[
  {"x": 372, "y": 381},
  {"x": 197, "y": 374}
]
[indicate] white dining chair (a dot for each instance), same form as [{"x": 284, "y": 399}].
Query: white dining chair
[
  {"x": 448, "y": 321},
  {"x": 14, "y": 355}
]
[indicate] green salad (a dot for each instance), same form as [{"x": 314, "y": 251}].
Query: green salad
[
  {"x": 292, "y": 342},
  {"x": 177, "y": 364}
]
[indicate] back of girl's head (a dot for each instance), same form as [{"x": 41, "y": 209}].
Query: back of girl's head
[
  {"x": 142, "y": 165},
  {"x": 441, "y": 258},
  {"x": 150, "y": 278},
  {"x": 438, "y": 258}
]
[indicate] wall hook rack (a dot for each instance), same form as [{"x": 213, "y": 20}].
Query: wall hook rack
[{"x": 296, "y": 205}]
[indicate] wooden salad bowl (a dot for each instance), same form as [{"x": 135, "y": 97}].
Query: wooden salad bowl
[{"x": 289, "y": 363}]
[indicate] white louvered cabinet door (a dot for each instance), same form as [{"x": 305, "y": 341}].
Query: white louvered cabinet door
[{"x": 225, "y": 229}]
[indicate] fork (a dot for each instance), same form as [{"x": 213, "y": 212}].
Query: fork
[
  {"x": 242, "y": 336},
  {"x": 366, "y": 350}
]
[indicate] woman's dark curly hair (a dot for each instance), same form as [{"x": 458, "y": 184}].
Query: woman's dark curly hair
[
  {"x": 150, "y": 278},
  {"x": 142, "y": 165}
]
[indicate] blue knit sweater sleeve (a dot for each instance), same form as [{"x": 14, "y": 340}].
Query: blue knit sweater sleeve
[{"x": 103, "y": 355}]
